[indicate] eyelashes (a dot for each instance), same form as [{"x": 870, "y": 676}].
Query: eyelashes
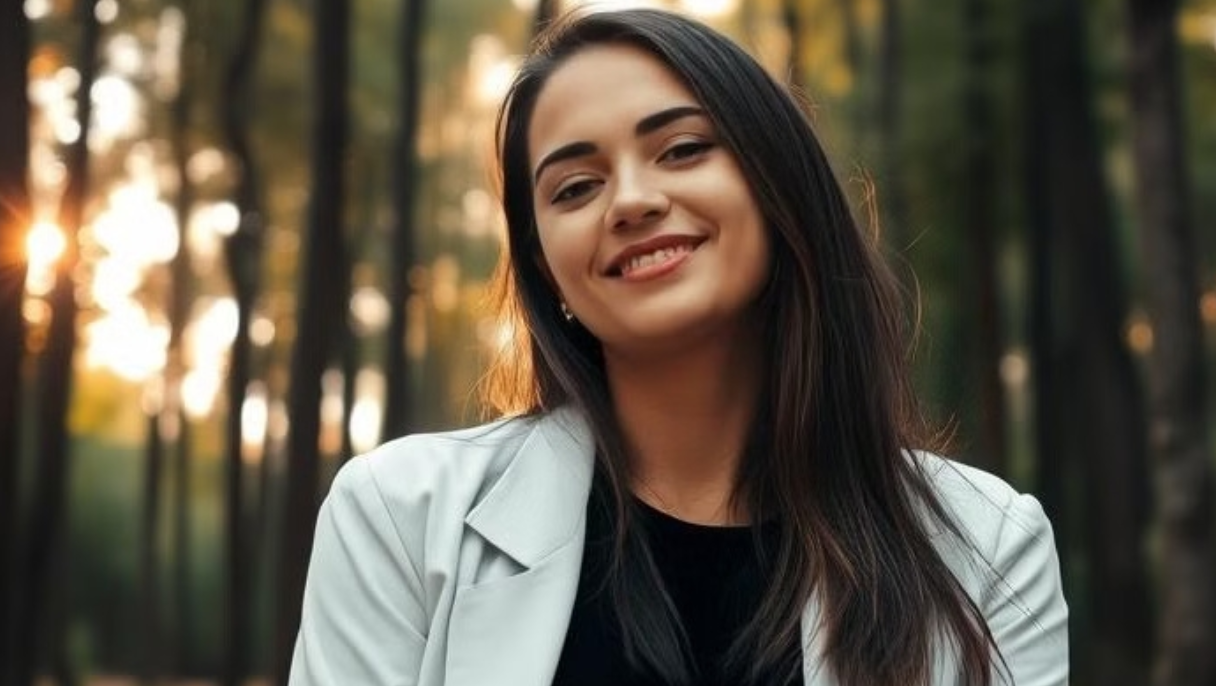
[
  {"x": 572, "y": 191},
  {"x": 678, "y": 154},
  {"x": 685, "y": 150}
]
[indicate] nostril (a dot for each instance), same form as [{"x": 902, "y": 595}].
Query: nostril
[{"x": 629, "y": 217}]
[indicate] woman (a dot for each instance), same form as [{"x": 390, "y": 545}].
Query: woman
[{"x": 706, "y": 482}]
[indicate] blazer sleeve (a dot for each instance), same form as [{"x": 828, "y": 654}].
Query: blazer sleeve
[
  {"x": 1025, "y": 607},
  {"x": 363, "y": 618}
]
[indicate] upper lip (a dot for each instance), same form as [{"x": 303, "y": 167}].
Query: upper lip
[{"x": 617, "y": 263}]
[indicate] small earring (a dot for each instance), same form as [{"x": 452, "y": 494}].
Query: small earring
[{"x": 566, "y": 312}]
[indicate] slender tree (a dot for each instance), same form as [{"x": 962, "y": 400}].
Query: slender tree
[
  {"x": 168, "y": 414},
  {"x": 46, "y": 534},
  {"x": 1090, "y": 403},
  {"x": 1186, "y": 620},
  {"x": 856, "y": 104},
  {"x": 243, "y": 251},
  {"x": 792, "y": 18},
  {"x": 399, "y": 414},
  {"x": 324, "y": 280},
  {"x": 1054, "y": 466},
  {"x": 174, "y": 425},
  {"x": 149, "y": 563},
  {"x": 893, "y": 198},
  {"x": 14, "y": 220},
  {"x": 348, "y": 352},
  {"x": 179, "y": 436},
  {"x": 980, "y": 288},
  {"x": 852, "y": 35},
  {"x": 546, "y": 12}
]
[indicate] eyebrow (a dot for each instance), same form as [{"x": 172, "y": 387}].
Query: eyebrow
[{"x": 648, "y": 124}]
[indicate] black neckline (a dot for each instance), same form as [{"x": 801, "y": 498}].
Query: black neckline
[{"x": 654, "y": 513}]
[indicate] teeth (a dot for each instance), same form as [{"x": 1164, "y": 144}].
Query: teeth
[{"x": 656, "y": 257}]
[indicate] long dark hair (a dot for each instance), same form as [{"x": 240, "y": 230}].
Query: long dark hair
[{"x": 826, "y": 456}]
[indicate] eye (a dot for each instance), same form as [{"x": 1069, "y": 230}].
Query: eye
[
  {"x": 685, "y": 150},
  {"x": 572, "y": 191}
]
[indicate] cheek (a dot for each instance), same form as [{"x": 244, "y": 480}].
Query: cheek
[
  {"x": 758, "y": 246},
  {"x": 746, "y": 215},
  {"x": 561, "y": 257}
]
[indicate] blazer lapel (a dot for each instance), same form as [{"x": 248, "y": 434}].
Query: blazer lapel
[{"x": 509, "y": 630}]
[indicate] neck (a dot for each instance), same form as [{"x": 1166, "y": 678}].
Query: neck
[{"x": 685, "y": 419}]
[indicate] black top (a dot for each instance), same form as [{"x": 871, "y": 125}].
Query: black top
[{"x": 713, "y": 574}]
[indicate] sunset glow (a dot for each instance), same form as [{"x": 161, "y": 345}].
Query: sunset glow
[
  {"x": 118, "y": 111},
  {"x": 126, "y": 342},
  {"x": 44, "y": 245},
  {"x": 137, "y": 226},
  {"x": 210, "y": 334},
  {"x": 255, "y": 414},
  {"x": 37, "y": 9},
  {"x": 200, "y": 388},
  {"x": 367, "y": 414}
]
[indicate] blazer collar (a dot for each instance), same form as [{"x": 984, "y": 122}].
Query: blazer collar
[
  {"x": 538, "y": 503},
  {"x": 535, "y": 509}
]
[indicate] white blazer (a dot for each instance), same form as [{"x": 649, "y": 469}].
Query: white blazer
[{"x": 452, "y": 559}]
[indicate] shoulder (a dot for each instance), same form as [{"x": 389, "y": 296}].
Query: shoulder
[
  {"x": 429, "y": 459},
  {"x": 421, "y": 466},
  {"x": 981, "y": 505},
  {"x": 428, "y": 480},
  {"x": 990, "y": 526},
  {"x": 1003, "y": 548},
  {"x": 1002, "y": 551}
]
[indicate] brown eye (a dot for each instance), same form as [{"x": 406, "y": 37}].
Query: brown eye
[
  {"x": 685, "y": 150},
  {"x": 572, "y": 191}
]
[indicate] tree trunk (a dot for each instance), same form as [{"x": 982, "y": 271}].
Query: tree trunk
[
  {"x": 792, "y": 18},
  {"x": 399, "y": 413},
  {"x": 243, "y": 252},
  {"x": 150, "y": 667},
  {"x": 852, "y": 37},
  {"x": 1103, "y": 430},
  {"x": 1054, "y": 464},
  {"x": 46, "y": 535},
  {"x": 324, "y": 278},
  {"x": 1186, "y": 621},
  {"x": 348, "y": 352},
  {"x": 14, "y": 221},
  {"x": 979, "y": 289},
  {"x": 182, "y": 628},
  {"x": 856, "y": 105},
  {"x": 892, "y": 196},
  {"x": 175, "y": 424},
  {"x": 164, "y": 424},
  {"x": 546, "y": 12}
]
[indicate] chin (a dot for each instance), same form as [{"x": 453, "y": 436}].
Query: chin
[{"x": 671, "y": 332}]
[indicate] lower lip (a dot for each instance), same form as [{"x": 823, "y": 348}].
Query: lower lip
[{"x": 655, "y": 271}]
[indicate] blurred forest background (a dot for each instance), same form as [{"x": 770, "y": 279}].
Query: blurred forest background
[{"x": 241, "y": 241}]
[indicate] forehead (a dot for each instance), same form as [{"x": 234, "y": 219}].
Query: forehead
[{"x": 602, "y": 88}]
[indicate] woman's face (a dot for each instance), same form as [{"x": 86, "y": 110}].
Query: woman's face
[{"x": 646, "y": 223}]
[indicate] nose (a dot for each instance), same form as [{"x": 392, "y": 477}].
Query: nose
[{"x": 636, "y": 199}]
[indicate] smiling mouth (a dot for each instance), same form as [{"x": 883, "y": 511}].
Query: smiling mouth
[
  {"x": 663, "y": 256},
  {"x": 658, "y": 258}
]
